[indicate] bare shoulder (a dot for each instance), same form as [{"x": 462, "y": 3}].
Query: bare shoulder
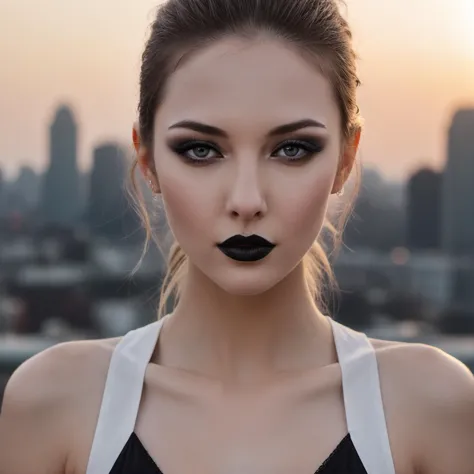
[
  {"x": 44, "y": 397},
  {"x": 57, "y": 373},
  {"x": 428, "y": 375},
  {"x": 429, "y": 395}
]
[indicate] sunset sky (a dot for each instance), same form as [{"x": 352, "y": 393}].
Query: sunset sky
[{"x": 417, "y": 67}]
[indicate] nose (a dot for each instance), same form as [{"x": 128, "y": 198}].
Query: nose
[{"x": 246, "y": 199}]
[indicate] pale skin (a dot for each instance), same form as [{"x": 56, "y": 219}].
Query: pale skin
[{"x": 245, "y": 375}]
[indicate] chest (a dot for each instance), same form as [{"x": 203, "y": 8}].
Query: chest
[{"x": 292, "y": 426}]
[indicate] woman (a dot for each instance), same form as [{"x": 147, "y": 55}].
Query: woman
[{"x": 247, "y": 124}]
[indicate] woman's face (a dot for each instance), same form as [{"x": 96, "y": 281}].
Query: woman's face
[{"x": 247, "y": 141}]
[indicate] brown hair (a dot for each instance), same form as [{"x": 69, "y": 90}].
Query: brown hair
[{"x": 316, "y": 27}]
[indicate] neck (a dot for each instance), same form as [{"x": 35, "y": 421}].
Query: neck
[{"x": 242, "y": 339}]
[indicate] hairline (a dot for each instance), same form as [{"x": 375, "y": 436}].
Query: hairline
[{"x": 185, "y": 53}]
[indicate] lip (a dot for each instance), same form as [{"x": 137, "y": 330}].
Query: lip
[{"x": 246, "y": 248}]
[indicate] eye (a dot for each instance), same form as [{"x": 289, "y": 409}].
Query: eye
[
  {"x": 296, "y": 150},
  {"x": 292, "y": 151},
  {"x": 196, "y": 151},
  {"x": 201, "y": 152}
]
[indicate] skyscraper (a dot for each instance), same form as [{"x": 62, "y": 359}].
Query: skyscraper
[
  {"x": 2, "y": 197},
  {"x": 109, "y": 213},
  {"x": 458, "y": 187},
  {"x": 27, "y": 186},
  {"x": 60, "y": 193},
  {"x": 424, "y": 210},
  {"x": 457, "y": 209}
]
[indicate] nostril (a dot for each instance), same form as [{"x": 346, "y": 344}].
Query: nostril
[{"x": 257, "y": 214}]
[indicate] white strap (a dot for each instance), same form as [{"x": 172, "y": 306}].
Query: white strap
[
  {"x": 363, "y": 399},
  {"x": 122, "y": 395}
]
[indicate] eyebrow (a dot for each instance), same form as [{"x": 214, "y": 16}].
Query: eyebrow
[{"x": 218, "y": 132}]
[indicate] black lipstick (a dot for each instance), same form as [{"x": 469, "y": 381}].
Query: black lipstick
[{"x": 246, "y": 249}]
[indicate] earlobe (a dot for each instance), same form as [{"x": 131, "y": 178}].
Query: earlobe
[
  {"x": 147, "y": 168},
  {"x": 338, "y": 185},
  {"x": 136, "y": 137},
  {"x": 145, "y": 161},
  {"x": 342, "y": 174},
  {"x": 346, "y": 162}
]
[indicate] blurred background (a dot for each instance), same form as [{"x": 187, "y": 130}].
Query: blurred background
[{"x": 69, "y": 238}]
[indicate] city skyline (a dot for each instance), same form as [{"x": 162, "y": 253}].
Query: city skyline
[{"x": 415, "y": 76}]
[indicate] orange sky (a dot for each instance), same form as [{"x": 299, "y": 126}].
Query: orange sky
[{"x": 417, "y": 66}]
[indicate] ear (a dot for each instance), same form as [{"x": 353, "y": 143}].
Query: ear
[
  {"x": 347, "y": 161},
  {"x": 145, "y": 161}
]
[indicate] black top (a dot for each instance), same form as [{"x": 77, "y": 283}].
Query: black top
[{"x": 134, "y": 459}]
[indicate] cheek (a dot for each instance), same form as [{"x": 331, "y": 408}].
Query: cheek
[
  {"x": 189, "y": 210},
  {"x": 305, "y": 205},
  {"x": 307, "y": 214}
]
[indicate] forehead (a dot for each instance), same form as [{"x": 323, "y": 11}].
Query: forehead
[{"x": 257, "y": 80}]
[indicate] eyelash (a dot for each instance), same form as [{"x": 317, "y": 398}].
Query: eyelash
[
  {"x": 309, "y": 146},
  {"x": 182, "y": 148}
]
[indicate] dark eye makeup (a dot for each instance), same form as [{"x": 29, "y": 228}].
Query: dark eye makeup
[
  {"x": 196, "y": 151},
  {"x": 304, "y": 148},
  {"x": 202, "y": 152}
]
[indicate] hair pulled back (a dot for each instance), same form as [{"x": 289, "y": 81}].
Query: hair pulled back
[{"x": 316, "y": 28}]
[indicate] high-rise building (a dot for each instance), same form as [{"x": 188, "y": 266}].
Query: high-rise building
[
  {"x": 109, "y": 211},
  {"x": 424, "y": 210},
  {"x": 2, "y": 197},
  {"x": 60, "y": 192},
  {"x": 378, "y": 219},
  {"x": 27, "y": 186},
  {"x": 457, "y": 221},
  {"x": 458, "y": 187}
]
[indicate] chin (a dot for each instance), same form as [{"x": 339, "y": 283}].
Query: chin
[{"x": 246, "y": 281}]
